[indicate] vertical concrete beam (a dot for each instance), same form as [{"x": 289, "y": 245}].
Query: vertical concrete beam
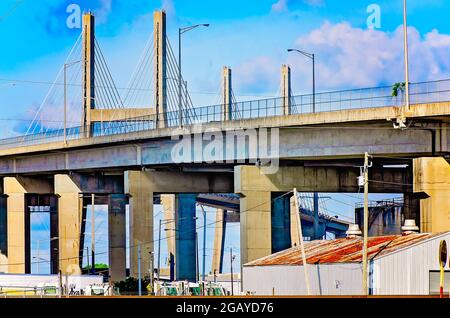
[
  {"x": 168, "y": 202},
  {"x": 256, "y": 225},
  {"x": 3, "y": 225},
  {"x": 432, "y": 176},
  {"x": 70, "y": 206},
  {"x": 286, "y": 89},
  {"x": 281, "y": 222},
  {"x": 185, "y": 243},
  {"x": 88, "y": 62},
  {"x": 226, "y": 94},
  {"x": 219, "y": 241},
  {"x": 16, "y": 225},
  {"x": 159, "y": 25},
  {"x": 138, "y": 187},
  {"x": 18, "y": 229},
  {"x": 117, "y": 237}
]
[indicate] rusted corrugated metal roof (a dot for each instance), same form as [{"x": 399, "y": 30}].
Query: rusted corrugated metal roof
[{"x": 344, "y": 250}]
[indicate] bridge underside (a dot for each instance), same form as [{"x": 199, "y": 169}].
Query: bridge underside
[
  {"x": 134, "y": 168},
  {"x": 265, "y": 227}
]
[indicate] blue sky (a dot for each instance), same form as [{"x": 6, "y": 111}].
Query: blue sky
[{"x": 250, "y": 36}]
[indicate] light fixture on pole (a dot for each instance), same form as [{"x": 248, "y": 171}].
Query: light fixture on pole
[
  {"x": 312, "y": 57},
  {"x": 180, "y": 32}
]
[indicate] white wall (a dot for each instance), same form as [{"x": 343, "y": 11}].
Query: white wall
[
  {"x": 80, "y": 282},
  {"x": 406, "y": 272},
  {"x": 335, "y": 279}
]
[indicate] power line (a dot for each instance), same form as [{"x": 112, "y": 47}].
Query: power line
[{"x": 38, "y": 82}]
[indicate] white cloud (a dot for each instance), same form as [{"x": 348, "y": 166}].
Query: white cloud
[
  {"x": 280, "y": 6},
  {"x": 354, "y": 57},
  {"x": 349, "y": 57},
  {"x": 283, "y": 5},
  {"x": 256, "y": 75}
]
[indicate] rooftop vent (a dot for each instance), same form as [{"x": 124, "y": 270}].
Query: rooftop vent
[
  {"x": 353, "y": 231},
  {"x": 410, "y": 227}
]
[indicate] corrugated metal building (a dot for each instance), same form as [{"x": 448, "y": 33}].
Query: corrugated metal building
[{"x": 398, "y": 265}]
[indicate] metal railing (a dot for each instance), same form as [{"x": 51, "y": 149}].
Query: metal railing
[{"x": 421, "y": 92}]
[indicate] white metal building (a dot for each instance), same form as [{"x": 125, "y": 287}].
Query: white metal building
[{"x": 398, "y": 265}]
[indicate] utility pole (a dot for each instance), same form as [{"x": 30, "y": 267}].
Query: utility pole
[
  {"x": 139, "y": 270},
  {"x": 302, "y": 246},
  {"x": 231, "y": 265},
  {"x": 152, "y": 271},
  {"x": 204, "y": 243},
  {"x": 87, "y": 258},
  {"x": 93, "y": 233},
  {"x": 197, "y": 269},
  {"x": 366, "y": 221}
]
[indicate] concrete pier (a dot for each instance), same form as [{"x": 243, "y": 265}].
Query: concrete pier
[{"x": 186, "y": 240}]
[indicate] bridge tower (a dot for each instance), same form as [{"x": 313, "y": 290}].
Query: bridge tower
[
  {"x": 88, "y": 78},
  {"x": 286, "y": 89},
  {"x": 226, "y": 93},
  {"x": 159, "y": 24}
]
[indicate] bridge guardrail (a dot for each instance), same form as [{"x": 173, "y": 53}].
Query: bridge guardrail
[{"x": 420, "y": 93}]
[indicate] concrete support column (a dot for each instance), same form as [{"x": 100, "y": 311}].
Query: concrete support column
[
  {"x": 432, "y": 176},
  {"x": 70, "y": 205},
  {"x": 226, "y": 94},
  {"x": 281, "y": 222},
  {"x": 139, "y": 188},
  {"x": 16, "y": 225},
  {"x": 185, "y": 243},
  {"x": 18, "y": 229},
  {"x": 219, "y": 241},
  {"x": 88, "y": 63},
  {"x": 256, "y": 225},
  {"x": 168, "y": 202},
  {"x": 159, "y": 33},
  {"x": 286, "y": 89},
  {"x": 117, "y": 237}
]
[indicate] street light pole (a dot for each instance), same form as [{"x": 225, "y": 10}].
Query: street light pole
[
  {"x": 313, "y": 58},
  {"x": 405, "y": 38},
  {"x": 231, "y": 269},
  {"x": 180, "y": 94},
  {"x": 159, "y": 248}
]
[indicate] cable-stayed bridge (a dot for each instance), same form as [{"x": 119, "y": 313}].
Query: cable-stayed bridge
[{"x": 91, "y": 143}]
